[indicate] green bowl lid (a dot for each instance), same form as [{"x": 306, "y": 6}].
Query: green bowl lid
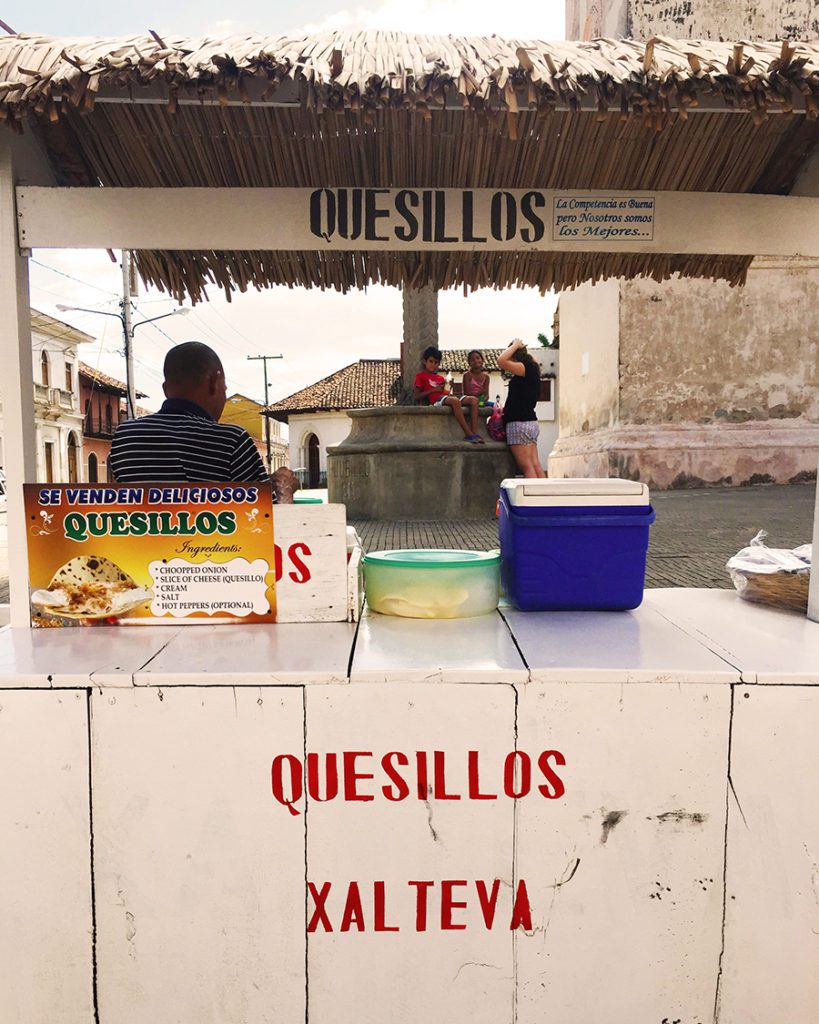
[
  {"x": 433, "y": 558},
  {"x": 306, "y": 500}
]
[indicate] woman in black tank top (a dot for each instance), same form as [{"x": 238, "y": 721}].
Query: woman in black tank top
[{"x": 519, "y": 414}]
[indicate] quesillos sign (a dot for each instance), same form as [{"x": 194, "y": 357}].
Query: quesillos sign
[
  {"x": 474, "y": 218},
  {"x": 353, "y": 218}
]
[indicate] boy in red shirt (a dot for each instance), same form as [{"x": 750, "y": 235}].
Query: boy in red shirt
[{"x": 431, "y": 385}]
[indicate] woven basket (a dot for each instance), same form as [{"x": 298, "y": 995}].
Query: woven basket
[{"x": 775, "y": 589}]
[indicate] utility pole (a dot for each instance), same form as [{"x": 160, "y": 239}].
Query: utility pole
[
  {"x": 266, "y": 403},
  {"x": 128, "y": 326},
  {"x": 128, "y": 335}
]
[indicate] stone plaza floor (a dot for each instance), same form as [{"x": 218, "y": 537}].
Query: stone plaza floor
[
  {"x": 695, "y": 532},
  {"x": 694, "y": 535}
]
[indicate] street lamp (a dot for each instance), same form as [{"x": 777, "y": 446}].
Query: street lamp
[{"x": 128, "y": 329}]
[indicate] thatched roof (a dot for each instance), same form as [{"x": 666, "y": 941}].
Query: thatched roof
[{"x": 391, "y": 110}]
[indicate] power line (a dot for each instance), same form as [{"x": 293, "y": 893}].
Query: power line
[
  {"x": 204, "y": 326},
  {"x": 76, "y": 280},
  {"x": 218, "y": 338},
  {"x": 236, "y": 330}
]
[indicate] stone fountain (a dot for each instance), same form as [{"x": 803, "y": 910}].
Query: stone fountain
[{"x": 411, "y": 462}]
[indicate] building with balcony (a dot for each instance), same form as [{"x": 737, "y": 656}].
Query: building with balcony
[
  {"x": 57, "y": 413},
  {"x": 102, "y": 400}
]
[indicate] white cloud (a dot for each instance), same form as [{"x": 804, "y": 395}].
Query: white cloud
[
  {"x": 229, "y": 27},
  {"x": 529, "y": 20}
]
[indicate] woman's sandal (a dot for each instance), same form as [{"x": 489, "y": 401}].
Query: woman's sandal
[{"x": 474, "y": 439}]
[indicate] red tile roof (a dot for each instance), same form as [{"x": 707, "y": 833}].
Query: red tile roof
[{"x": 104, "y": 382}]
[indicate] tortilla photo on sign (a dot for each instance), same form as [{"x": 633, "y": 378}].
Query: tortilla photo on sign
[{"x": 88, "y": 588}]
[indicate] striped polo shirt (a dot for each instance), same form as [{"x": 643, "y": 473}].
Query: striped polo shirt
[{"x": 183, "y": 443}]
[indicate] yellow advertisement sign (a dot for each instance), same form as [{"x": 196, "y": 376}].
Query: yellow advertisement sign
[{"x": 174, "y": 553}]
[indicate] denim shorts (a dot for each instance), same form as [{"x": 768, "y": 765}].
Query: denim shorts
[
  {"x": 443, "y": 398},
  {"x": 522, "y": 432}
]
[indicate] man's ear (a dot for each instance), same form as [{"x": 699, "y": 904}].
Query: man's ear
[{"x": 164, "y": 389}]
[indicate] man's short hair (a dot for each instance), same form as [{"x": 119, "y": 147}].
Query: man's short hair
[
  {"x": 431, "y": 352},
  {"x": 190, "y": 363}
]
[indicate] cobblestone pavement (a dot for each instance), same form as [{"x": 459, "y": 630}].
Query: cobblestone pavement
[
  {"x": 694, "y": 535},
  {"x": 695, "y": 532}
]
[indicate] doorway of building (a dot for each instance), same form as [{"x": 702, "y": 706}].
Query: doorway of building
[
  {"x": 93, "y": 470},
  {"x": 313, "y": 462},
  {"x": 73, "y": 475},
  {"x": 48, "y": 450}
]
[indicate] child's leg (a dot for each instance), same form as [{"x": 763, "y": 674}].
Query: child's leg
[
  {"x": 472, "y": 405},
  {"x": 455, "y": 405}
]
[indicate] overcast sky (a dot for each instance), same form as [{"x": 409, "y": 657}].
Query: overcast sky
[{"x": 316, "y": 332}]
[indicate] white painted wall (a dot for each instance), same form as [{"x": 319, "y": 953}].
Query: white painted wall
[
  {"x": 57, "y": 411},
  {"x": 589, "y": 335},
  {"x": 329, "y": 427},
  {"x": 653, "y": 896}
]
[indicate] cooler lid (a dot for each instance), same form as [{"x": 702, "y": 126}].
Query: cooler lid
[{"x": 572, "y": 491}]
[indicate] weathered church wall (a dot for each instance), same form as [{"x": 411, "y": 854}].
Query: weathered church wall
[
  {"x": 691, "y": 19},
  {"x": 701, "y": 352},
  {"x": 714, "y": 385},
  {"x": 692, "y": 383}
]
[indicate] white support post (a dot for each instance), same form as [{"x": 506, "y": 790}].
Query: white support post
[
  {"x": 813, "y": 594},
  {"x": 16, "y": 387}
]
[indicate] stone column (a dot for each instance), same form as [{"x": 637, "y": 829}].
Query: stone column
[{"x": 420, "y": 330}]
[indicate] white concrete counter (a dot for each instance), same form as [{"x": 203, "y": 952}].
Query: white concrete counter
[
  {"x": 234, "y": 824},
  {"x": 767, "y": 646},
  {"x": 284, "y": 654},
  {"x": 77, "y": 657},
  {"x": 477, "y": 650},
  {"x": 614, "y": 647}
]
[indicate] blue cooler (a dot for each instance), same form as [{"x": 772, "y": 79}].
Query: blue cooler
[{"x": 574, "y": 544}]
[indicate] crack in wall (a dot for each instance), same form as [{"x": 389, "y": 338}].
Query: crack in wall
[
  {"x": 306, "y": 875},
  {"x": 92, "y": 865},
  {"x": 154, "y": 656},
  {"x": 352, "y": 649},
  {"x": 729, "y": 787},
  {"x": 736, "y": 798},
  {"x": 428, "y": 806},
  {"x": 517, "y": 648},
  {"x": 473, "y": 963},
  {"x": 690, "y": 630},
  {"x": 515, "y": 858},
  {"x": 571, "y": 873}
]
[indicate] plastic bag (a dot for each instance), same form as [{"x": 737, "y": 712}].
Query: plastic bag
[
  {"x": 494, "y": 425},
  {"x": 777, "y": 577}
]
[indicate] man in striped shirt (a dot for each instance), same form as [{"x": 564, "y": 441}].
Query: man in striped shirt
[{"x": 184, "y": 442}]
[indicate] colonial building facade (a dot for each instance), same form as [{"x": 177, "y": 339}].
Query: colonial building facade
[
  {"x": 103, "y": 404},
  {"x": 57, "y": 412}
]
